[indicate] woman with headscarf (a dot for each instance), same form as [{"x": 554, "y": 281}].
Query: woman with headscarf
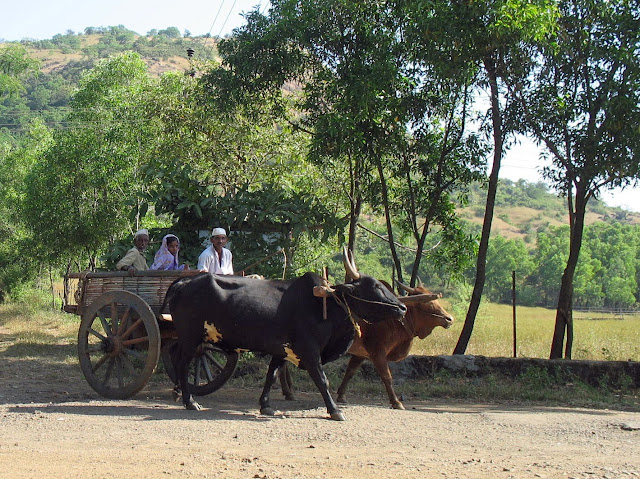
[{"x": 167, "y": 256}]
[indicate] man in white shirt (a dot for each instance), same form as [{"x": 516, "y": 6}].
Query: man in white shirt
[{"x": 216, "y": 258}]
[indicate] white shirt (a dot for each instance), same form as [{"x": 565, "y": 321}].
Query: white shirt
[{"x": 210, "y": 261}]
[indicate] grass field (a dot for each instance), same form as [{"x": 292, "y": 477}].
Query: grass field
[{"x": 602, "y": 339}]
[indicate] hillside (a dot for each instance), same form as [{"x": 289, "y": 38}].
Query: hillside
[
  {"x": 161, "y": 55},
  {"x": 523, "y": 208},
  {"x": 65, "y": 57}
]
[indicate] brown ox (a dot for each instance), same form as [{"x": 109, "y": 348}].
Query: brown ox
[{"x": 386, "y": 341}]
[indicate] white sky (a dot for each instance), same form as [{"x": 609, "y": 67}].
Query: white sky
[
  {"x": 522, "y": 161},
  {"x": 42, "y": 19}
]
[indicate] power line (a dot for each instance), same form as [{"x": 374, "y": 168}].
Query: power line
[
  {"x": 211, "y": 28},
  {"x": 226, "y": 19},
  {"x": 216, "y": 17}
]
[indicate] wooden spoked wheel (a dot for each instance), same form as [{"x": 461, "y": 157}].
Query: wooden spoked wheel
[
  {"x": 209, "y": 369},
  {"x": 118, "y": 344}
]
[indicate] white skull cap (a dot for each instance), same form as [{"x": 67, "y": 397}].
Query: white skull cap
[
  {"x": 218, "y": 232},
  {"x": 141, "y": 232}
]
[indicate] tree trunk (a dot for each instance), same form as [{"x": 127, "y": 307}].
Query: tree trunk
[
  {"x": 354, "y": 215},
  {"x": 66, "y": 285},
  {"x": 422, "y": 239},
  {"x": 564, "y": 311},
  {"x": 355, "y": 199},
  {"x": 476, "y": 296},
  {"x": 387, "y": 216}
]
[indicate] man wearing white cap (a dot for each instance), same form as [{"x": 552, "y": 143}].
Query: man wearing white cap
[
  {"x": 134, "y": 260},
  {"x": 216, "y": 258}
]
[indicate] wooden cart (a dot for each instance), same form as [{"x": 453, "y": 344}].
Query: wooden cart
[{"x": 122, "y": 334}]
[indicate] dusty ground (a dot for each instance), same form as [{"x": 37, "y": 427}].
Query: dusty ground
[{"x": 58, "y": 427}]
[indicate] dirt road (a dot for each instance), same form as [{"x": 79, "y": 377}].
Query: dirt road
[{"x": 54, "y": 428}]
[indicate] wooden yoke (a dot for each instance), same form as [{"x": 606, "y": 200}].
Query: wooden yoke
[{"x": 325, "y": 276}]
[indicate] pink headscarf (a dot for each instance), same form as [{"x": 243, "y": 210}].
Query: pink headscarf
[{"x": 164, "y": 259}]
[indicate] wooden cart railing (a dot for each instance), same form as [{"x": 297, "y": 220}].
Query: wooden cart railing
[{"x": 151, "y": 286}]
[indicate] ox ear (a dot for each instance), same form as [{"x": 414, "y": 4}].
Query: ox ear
[
  {"x": 418, "y": 298},
  {"x": 345, "y": 287}
]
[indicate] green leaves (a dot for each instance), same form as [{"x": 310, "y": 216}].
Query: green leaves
[{"x": 15, "y": 64}]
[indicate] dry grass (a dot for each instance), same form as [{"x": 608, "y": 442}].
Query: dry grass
[
  {"x": 26, "y": 329},
  {"x": 610, "y": 339},
  {"x": 605, "y": 339}
]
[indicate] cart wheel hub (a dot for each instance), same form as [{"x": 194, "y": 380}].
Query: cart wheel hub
[{"x": 113, "y": 345}]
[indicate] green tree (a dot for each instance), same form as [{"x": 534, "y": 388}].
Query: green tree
[
  {"x": 615, "y": 248},
  {"x": 503, "y": 257},
  {"x": 15, "y": 66},
  {"x": 583, "y": 105},
  {"x": 550, "y": 257},
  {"x": 16, "y": 157},
  {"x": 16, "y": 238},
  {"x": 490, "y": 37},
  {"x": 80, "y": 194},
  {"x": 237, "y": 169},
  {"x": 363, "y": 98}
]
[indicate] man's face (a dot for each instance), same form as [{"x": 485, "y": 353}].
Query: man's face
[
  {"x": 141, "y": 242},
  {"x": 218, "y": 241}
]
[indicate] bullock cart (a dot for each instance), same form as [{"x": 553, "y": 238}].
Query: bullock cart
[{"x": 123, "y": 334}]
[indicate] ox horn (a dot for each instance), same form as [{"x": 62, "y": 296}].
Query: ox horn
[
  {"x": 349, "y": 264},
  {"x": 405, "y": 288},
  {"x": 323, "y": 291},
  {"x": 418, "y": 298}
]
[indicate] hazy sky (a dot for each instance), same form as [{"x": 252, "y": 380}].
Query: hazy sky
[{"x": 40, "y": 19}]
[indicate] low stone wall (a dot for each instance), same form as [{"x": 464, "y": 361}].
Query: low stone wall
[{"x": 595, "y": 373}]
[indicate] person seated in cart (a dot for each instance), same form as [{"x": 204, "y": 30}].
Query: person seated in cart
[
  {"x": 167, "y": 256},
  {"x": 216, "y": 258},
  {"x": 134, "y": 260}
]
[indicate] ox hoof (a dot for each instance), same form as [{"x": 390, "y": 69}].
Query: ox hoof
[
  {"x": 398, "y": 406},
  {"x": 342, "y": 400},
  {"x": 289, "y": 397},
  {"x": 338, "y": 416},
  {"x": 193, "y": 406},
  {"x": 176, "y": 394},
  {"x": 268, "y": 411}
]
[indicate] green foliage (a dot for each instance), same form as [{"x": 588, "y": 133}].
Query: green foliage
[
  {"x": 15, "y": 64},
  {"x": 89, "y": 173},
  {"x": 161, "y": 152},
  {"x": 503, "y": 257},
  {"x": 537, "y": 196},
  {"x": 367, "y": 99},
  {"x": 610, "y": 252}
]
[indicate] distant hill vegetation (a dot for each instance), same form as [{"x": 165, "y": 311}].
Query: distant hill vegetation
[
  {"x": 65, "y": 57},
  {"x": 163, "y": 50},
  {"x": 524, "y": 208}
]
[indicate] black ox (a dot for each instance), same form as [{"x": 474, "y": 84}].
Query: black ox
[{"x": 285, "y": 319}]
